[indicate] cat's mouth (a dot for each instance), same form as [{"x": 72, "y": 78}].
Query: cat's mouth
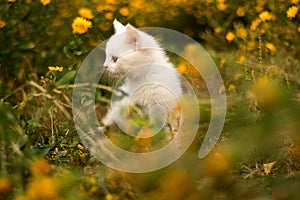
[{"x": 112, "y": 73}]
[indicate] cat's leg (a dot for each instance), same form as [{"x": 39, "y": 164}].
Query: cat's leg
[
  {"x": 116, "y": 113},
  {"x": 108, "y": 120}
]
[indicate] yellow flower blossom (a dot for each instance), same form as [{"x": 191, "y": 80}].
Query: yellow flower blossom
[
  {"x": 262, "y": 31},
  {"x": 45, "y": 2},
  {"x": 294, "y": 1},
  {"x": 231, "y": 88},
  {"x": 11, "y": 1},
  {"x": 222, "y": 63},
  {"x": 292, "y": 12},
  {"x": 221, "y": 6},
  {"x": 251, "y": 45},
  {"x": 86, "y": 13},
  {"x": 266, "y": 92},
  {"x": 271, "y": 47},
  {"x": 255, "y": 24},
  {"x": 181, "y": 68},
  {"x": 265, "y": 16},
  {"x": 100, "y": 8},
  {"x": 2, "y": 24},
  {"x": 241, "y": 60},
  {"x": 124, "y": 11},
  {"x": 109, "y": 7},
  {"x": 40, "y": 166},
  {"x": 109, "y": 15},
  {"x": 113, "y": 2},
  {"x": 111, "y": 197},
  {"x": 230, "y": 36},
  {"x": 57, "y": 69},
  {"x": 298, "y": 29},
  {"x": 241, "y": 33},
  {"x": 5, "y": 185},
  {"x": 81, "y": 25},
  {"x": 241, "y": 11},
  {"x": 42, "y": 188},
  {"x": 217, "y": 30},
  {"x": 238, "y": 76}
]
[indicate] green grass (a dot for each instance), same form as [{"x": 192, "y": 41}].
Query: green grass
[{"x": 257, "y": 156}]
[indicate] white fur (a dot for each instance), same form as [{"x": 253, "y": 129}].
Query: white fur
[{"x": 150, "y": 78}]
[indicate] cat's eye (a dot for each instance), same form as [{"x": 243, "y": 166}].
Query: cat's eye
[{"x": 114, "y": 58}]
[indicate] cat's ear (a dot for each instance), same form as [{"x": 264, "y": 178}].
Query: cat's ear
[
  {"x": 119, "y": 28},
  {"x": 132, "y": 35}
]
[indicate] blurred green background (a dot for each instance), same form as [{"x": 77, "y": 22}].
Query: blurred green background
[{"x": 255, "y": 45}]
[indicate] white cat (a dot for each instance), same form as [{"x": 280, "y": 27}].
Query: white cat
[{"x": 150, "y": 79}]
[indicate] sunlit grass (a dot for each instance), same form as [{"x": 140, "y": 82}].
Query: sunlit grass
[{"x": 253, "y": 43}]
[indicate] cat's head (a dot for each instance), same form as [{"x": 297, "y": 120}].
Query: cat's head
[{"x": 129, "y": 48}]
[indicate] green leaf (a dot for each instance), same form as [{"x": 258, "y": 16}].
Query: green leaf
[
  {"x": 22, "y": 141},
  {"x": 34, "y": 124},
  {"x": 39, "y": 151},
  {"x": 52, "y": 140},
  {"x": 66, "y": 78},
  {"x": 76, "y": 65},
  {"x": 78, "y": 53},
  {"x": 88, "y": 102},
  {"x": 67, "y": 52}
]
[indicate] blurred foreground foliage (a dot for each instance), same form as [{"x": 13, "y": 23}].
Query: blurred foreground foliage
[{"x": 254, "y": 44}]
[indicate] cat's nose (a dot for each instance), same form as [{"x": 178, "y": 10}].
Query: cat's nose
[{"x": 105, "y": 66}]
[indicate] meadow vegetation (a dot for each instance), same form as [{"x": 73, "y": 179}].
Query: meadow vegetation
[{"x": 253, "y": 43}]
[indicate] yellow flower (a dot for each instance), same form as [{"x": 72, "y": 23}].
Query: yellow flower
[
  {"x": 241, "y": 11},
  {"x": 265, "y": 16},
  {"x": 109, "y": 7},
  {"x": 231, "y": 88},
  {"x": 222, "y": 63},
  {"x": 217, "y": 30},
  {"x": 294, "y": 1},
  {"x": 241, "y": 60},
  {"x": 42, "y": 188},
  {"x": 100, "y": 8},
  {"x": 181, "y": 68},
  {"x": 86, "y": 13},
  {"x": 111, "y": 197},
  {"x": 2, "y": 24},
  {"x": 230, "y": 36},
  {"x": 241, "y": 32},
  {"x": 271, "y": 47},
  {"x": 109, "y": 15},
  {"x": 5, "y": 185},
  {"x": 238, "y": 76},
  {"x": 12, "y": 1},
  {"x": 45, "y": 2},
  {"x": 251, "y": 45},
  {"x": 266, "y": 92},
  {"x": 217, "y": 163},
  {"x": 221, "y": 6},
  {"x": 57, "y": 69},
  {"x": 292, "y": 12},
  {"x": 298, "y": 29},
  {"x": 124, "y": 11},
  {"x": 255, "y": 24},
  {"x": 81, "y": 25},
  {"x": 40, "y": 166}
]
